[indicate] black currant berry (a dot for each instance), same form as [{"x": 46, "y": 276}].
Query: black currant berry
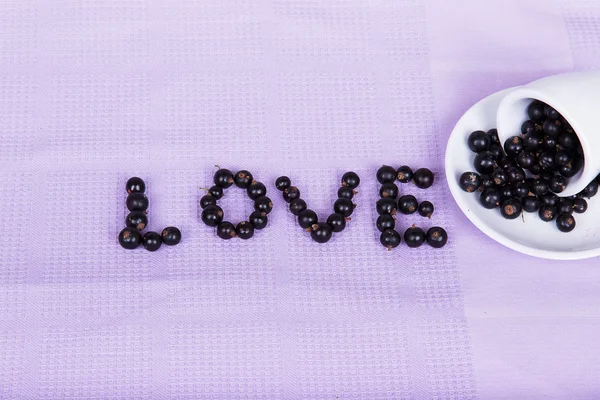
[
  {"x": 547, "y": 213},
  {"x": 590, "y": 190},
  {"x": 307, "y": 218},
  {"x": 243, "y": 179},
  {"x": 223, "y": 178},
  {"x": 386, "y": 174},
  {"x": 407, "y": 204},
  {"x": 337, "y": 222},
  {"x": 423, "y": 178},
  {"x": 404, "y": 174},
  {"x": 497, "y": 151},
  {"x": 565, "y": 222},
  {"x": 244, "y": 230},
  {"x": 152, "y": 241},
  {"x": 414, "y": 237},
  {"x": 486, "y": 181},
  {"x": 511, "y": 208},
  {"x": 520, "y": 189},
  {"x": 469, "y": 181},
  {"x": 565, "y": 206},
  {"x": 490, "y": 198},
  {"x": 558, "y": 183},
  {"x": 216, "y": 192},
  {"x": 500, "y": 177},
  {"x": 171, "y": 236},
  {"x": 493, "y": 134},
  {"x": 539, "y": 187},
  {"x": 390, "y": 239},
  {"x": 550, "y": 199},
  {"x": 528, "y": 127},
  {"x": 137, "y": 219},
  {"x": 568, "y": 140},
  {"x": 207, "y": 200},
  {"x": 135, "y": 185},
  {"x": 436, "y": 237},
  {"x": 551, "y": 112},
  {"x": 385, "y": 221},
  {"x": 506, "y": 192},
  {"x": 291, "y": 193},
  {"x": 571, "y": 169},
  {"x": 580, "y": 205},
  {"x": 256, "y": 190},
  {"x": 535, "y": 169},
  {"x": 478, "y": 141},
  {"x": 388, "y": 190},
  {"x": 264, "y": 204},
  {"x": 212, "y": 215},
  {"x": 526, "y": 159},
  {"x": 535, "y": 111},
  {"x": 226, "y": 230},
  {"x": 513, "y": 145},
  {"x": 282, "y": 183},
  {"x": 533, "y": 141},
  {"x": 258, "y": 219},
  {"x": 515, "y": 174},
  {"x": 506, "y": 162},
  {"x": 130, "y": 238},
  {"x": 321, "y": 232},
  {"x": 552, "y": 127},
  {"x": 426, "y": 209},
  {"x": 137, "y": 202},
  {"x": 297, "y": 206},
  {"x": 350, "y": 179},
  {"x": 546, "y": 160},
  {"x": 484, "y": 162},
  {"x": 346, "y": 193},
  {"x": 386, "y": 206},
  {"x": 563, "y": 157},
  {"x": 549, "y": 143},
  {"x": 531, "y": 204},
  {"x": 344, "y": 207}
]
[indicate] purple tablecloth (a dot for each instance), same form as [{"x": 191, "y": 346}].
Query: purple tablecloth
[{"x": 95, "y": 91}]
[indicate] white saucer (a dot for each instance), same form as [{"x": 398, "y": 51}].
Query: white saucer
[{"x": 534, "y": 237}]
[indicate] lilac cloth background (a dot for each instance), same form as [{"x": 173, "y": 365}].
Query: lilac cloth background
[{"x": 92, "y": 92}]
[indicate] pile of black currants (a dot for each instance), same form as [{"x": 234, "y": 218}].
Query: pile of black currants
[
  {"x": 321, "y": 232},
  {"x": 527, "y": 172},
  {"x": 387, "y": 208},
  {"x": 137, "y": 220}
]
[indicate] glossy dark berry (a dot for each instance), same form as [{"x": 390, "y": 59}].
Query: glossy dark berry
[
  {"x": 486, "y": 181},
  {"x": 385, "y": 221},
  {"x": 256, "y": 190},
  {"x": 282, "y": 183},
  {"x": 171, "y": 236},
  {"x": 307, "y": 218},
  {"x": 549, "y": 144},
  {"x": 436, "y": 237},
  {"x": 423, "y": 178},
  {"x": 515, "y": 174},
  {"x": 531, "y": 204},
  {"x": 535, "y": 169},
  {"x": 386, "y": 174},
  {"x": 297, "y": 206},
  {"x": 414, "y": 237},
  {"x": 563, "y": 157},
  {"x": 478, "y": 141},
  {"x": 390, "y": 239},
  {"x": 469, "y": 181},
  {"x": 484, "y": 162},
  {"x": 533, "y": 141},
  {"x": 580, "y": 205},
  {"x": 568, "y": 140},
  {"x": 490, "y": 198},
  {"x": 344, "y": 207},
  {"x": 244, "y": 230},
  {"x": 337, "y": 222},
  {"x": 590, "y": 190},
  {"x": 426, "y": 209},
  {"x": 386, "y": 206},
  {"x": 350, "y": 179},
  {"x": 130, "y": 238},
  {"x": 212, "y": 215},
  {"x": 551, "y": 112},
  {"x": 511, "y": 208},
  {"x": 135, "y": 185},
  {"x": 258, "y": 219},
  {"x": 152, "y": 241},
  {"x": 571, "y": 169},
  {"x": 565, "y": 222},
  {"x": 216, "y": 192},
  {"x": 547, "y": 213},
  {"x": 546, "y": 160},
  {"x": 519, "y": 189},
  {"x": 500, "y": 177},
  {"x": 346, "y": 193},
  {"x": 321, "y": 232},
  {"x": 404, "y": 174},
  {"x": 243, "y": 179},
  {"x": 565, "y": 205},
  {"x": 506, "y": 192},
  {"x": 513, "y": 145},
  {"x": 407, "y": 204},
  {"x": 550, "y": 199},
  {"x": 223, "y": 178},
  {"x": 539, "y": 187},
  {"x": 506, "y": 162},
  {"x": 528, "y": 127},
  {"x": 264, "y": 204},
  {"x": 493, "y": 134},
  {"x": 137, "y": 202},
  {"x": 137, "y": 219},
  {"x": 291, "y": 193},
  {"x": 226, "y": 230},
  {"x": 497, "y": 151},
  {"x": 535, "y": 111},
  {"x": 388, "y": 190},
  {"x": 552, "y": 127},
  {"x": 207, "y": 200},
  {"x": 526, "y": 159},
  {"x": 558, "y": 183}
]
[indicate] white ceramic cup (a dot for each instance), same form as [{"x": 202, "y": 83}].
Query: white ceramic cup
[{"x": 576, "y": 96}]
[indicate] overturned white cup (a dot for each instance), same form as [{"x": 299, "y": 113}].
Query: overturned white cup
[{"x": 576, "y": 96}]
